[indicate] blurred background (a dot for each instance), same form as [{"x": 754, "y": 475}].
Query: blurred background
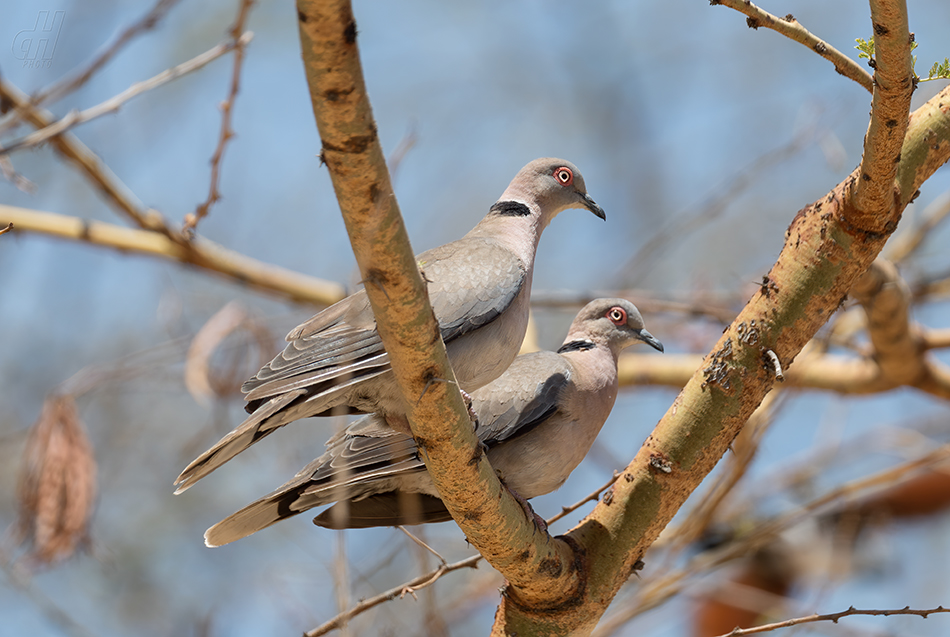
[{"x": 700, "y": 137}]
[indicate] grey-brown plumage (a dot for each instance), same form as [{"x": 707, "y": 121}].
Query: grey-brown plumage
[
  {"x": 538, "y": 420},
  {"x": 479, "y": 287}
]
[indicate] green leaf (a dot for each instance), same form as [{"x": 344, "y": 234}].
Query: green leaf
[
  {"x": 865, "y": 47},
  {"x": 939, "y": 71}
]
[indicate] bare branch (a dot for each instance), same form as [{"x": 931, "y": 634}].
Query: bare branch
[
  {"x": 200, "y": 252},
  {"x": 420, "y": 582},
  {"x": 540, "y": 567},
  {"x": 936, "y": 339},
  {"x": 75, "y": 118},
  {"x": 67, "y": 85},
  {"x": 791, "y": 28},
  {"x": 833, "y": 618},
  {"x": 431, "y": 577},
  {"x": 874, "y": 197},
  {"x": 191, "y": 221},
  {"x": 10, "y": 174},
  {"x": 898, "y": 344},
  {"x": 88, "y": 163},
  {"x": 8, "y": 228},
  {"x": 828, "y": 245},
  {"x": 664, "y": 586}
]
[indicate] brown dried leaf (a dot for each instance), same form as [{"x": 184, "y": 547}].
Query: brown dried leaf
[
  {"x": 57, "y": 483},
  {"x": 215, "y": 369}
]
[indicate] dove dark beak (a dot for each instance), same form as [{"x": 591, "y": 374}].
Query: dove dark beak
[
  {"x": 591, "y": 205},
  {"x": 649, "y": 339}
]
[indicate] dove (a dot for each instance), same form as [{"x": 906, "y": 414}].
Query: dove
[
  {"x": 537, "y": 421},
  {"x": 479, "y": 287}
]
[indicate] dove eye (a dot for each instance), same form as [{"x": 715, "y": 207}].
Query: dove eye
[
  {"x": 564, "y": 176},
  {"x": 617, "y": 315}
]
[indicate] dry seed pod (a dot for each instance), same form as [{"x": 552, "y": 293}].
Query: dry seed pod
[{"x": 57, "y": 483}]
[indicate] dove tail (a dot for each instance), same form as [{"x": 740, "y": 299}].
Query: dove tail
[
  {"x": 258, "y": 515},
  {"x": 245, "y": 435}
]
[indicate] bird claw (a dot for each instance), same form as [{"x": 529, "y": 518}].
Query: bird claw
[
  {"x": 471, "y": 410},
  {"x": 530, "y": 512}
]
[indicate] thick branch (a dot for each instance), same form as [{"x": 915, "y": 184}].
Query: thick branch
[
  {"x": 874, "y": 197},
  {"x": 199, "y": 252},
  {"x": 487, "y": 513},
  {"x": 844, "y": 375},
  {"x": 828, "y": 246}
]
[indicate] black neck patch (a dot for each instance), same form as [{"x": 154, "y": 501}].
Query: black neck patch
[
  {"x": 575, "y": 346},
  {"x": 510, "y": 209}
]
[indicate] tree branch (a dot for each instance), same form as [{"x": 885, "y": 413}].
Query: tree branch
[
  {"x": 191, "y": 221},
  {"x": 432, "y": 576},
  {"x": 112, "y": 104},
  {"x": 791, "y": 28},
  {"x": 489, "y": 516},
  {"x": 828, "y": 245},
  {"x": 875, "y": 195},
  {"x": 667, "y": 584},
  {"x": 199, "y": 252},
  {"x": 69, "y": 84},
  {"x": 88, "y": 162},
  {"x": 833, "y": 618}
]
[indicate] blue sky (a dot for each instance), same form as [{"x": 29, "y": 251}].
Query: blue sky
[{"x": 661, "y": 105}]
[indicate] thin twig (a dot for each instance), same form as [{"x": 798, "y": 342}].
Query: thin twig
[
  {"x": 191, "y": 221},
  {"x": 592, "y": 497},
  {"x": 429, "y": 578},
  {"x": 7, "y": 229},
  {"x": 422, "y": 544},
  {"x": 88, "y": 163},
  {"x": 67, "y": 85},
  {"x": 420, "y": 582},
  {"x": 10, "y": 174},
  {"x": 792, "y": 28},
  {"x": 834, "y": 617},
  {"x": 75, "y": 118},
  {"x": 669, "y": 584}
]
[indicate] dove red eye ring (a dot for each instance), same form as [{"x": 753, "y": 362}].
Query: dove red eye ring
[
  {"x": 564, "y": 176},
  {"x": 617, "y": 315}
]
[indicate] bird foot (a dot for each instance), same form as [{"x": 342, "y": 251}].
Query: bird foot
[
  {"x": 471, "y": 410},
  {"x": 530, "y": 512}
]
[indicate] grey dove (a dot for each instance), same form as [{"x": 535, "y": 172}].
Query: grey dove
[
  {"x": 479, "y": 287},
  {"x": 537, "y": 420}
]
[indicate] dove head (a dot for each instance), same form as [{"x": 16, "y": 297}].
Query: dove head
[
  {"x": 545, "y": 187},
  {"x": 614, "y": 323}
]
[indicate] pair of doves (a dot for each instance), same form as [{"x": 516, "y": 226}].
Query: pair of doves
[{"x": 537, "y": 414}]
